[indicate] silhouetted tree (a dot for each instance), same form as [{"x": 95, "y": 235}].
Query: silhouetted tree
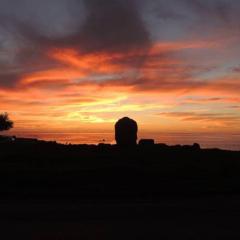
[
  {"x": 126, "y": 132},
  {"x": 5, "y": 122}
]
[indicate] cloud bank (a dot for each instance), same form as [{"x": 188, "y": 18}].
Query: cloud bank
[{"x": 69, "y": 56}]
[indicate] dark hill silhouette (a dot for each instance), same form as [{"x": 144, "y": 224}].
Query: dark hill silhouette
[
  {"x": 74, "y": 170},
  {"x": 160, "y": 190}
]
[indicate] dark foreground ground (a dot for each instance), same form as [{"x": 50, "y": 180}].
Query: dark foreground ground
[{"x": 51, "y": 191}]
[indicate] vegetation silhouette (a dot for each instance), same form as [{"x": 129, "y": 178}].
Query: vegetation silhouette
[
  {"x": 5, "y": 122},
  {"x": 126, "y": 132}
]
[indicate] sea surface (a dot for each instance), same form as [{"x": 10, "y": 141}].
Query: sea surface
[{"x": 206, "y": 140}]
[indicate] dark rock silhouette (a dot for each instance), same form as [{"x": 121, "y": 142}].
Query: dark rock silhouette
[
  {"x": 196, "y": 146},
  {"x": 146, "y": 142},
  {"x": 126, "y": 132}
]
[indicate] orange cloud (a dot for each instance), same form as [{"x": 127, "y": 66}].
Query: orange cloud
[
  {"x": 206, "y": 119},
  {"x": 98, "y": 88}
]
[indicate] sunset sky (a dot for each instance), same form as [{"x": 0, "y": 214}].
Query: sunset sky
[{"x": 79, "y": 65}]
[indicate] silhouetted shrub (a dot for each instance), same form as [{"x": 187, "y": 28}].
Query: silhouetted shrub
[{"x": 5, "y": 122}]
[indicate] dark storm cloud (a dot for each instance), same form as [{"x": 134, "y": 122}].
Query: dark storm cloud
[
  {"x": 97, "y": 26},
  {"x": 113, "y": 25},
  {"x": 109, "y": 25},
  {"x": 8, "y": 80},
  {"x": 218, "y": 13},
  {"x": 192, "y": 18},
  {"x": 35, "y": 27},
  {"x": 216, "y": 16},
  {"x": 216, "y": 10}
]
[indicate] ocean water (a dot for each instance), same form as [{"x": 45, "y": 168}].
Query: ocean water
[{"x": 206, "y": 140}]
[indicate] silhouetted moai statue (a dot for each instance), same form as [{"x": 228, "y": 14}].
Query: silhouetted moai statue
[{"x": 126, "y": 132}]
